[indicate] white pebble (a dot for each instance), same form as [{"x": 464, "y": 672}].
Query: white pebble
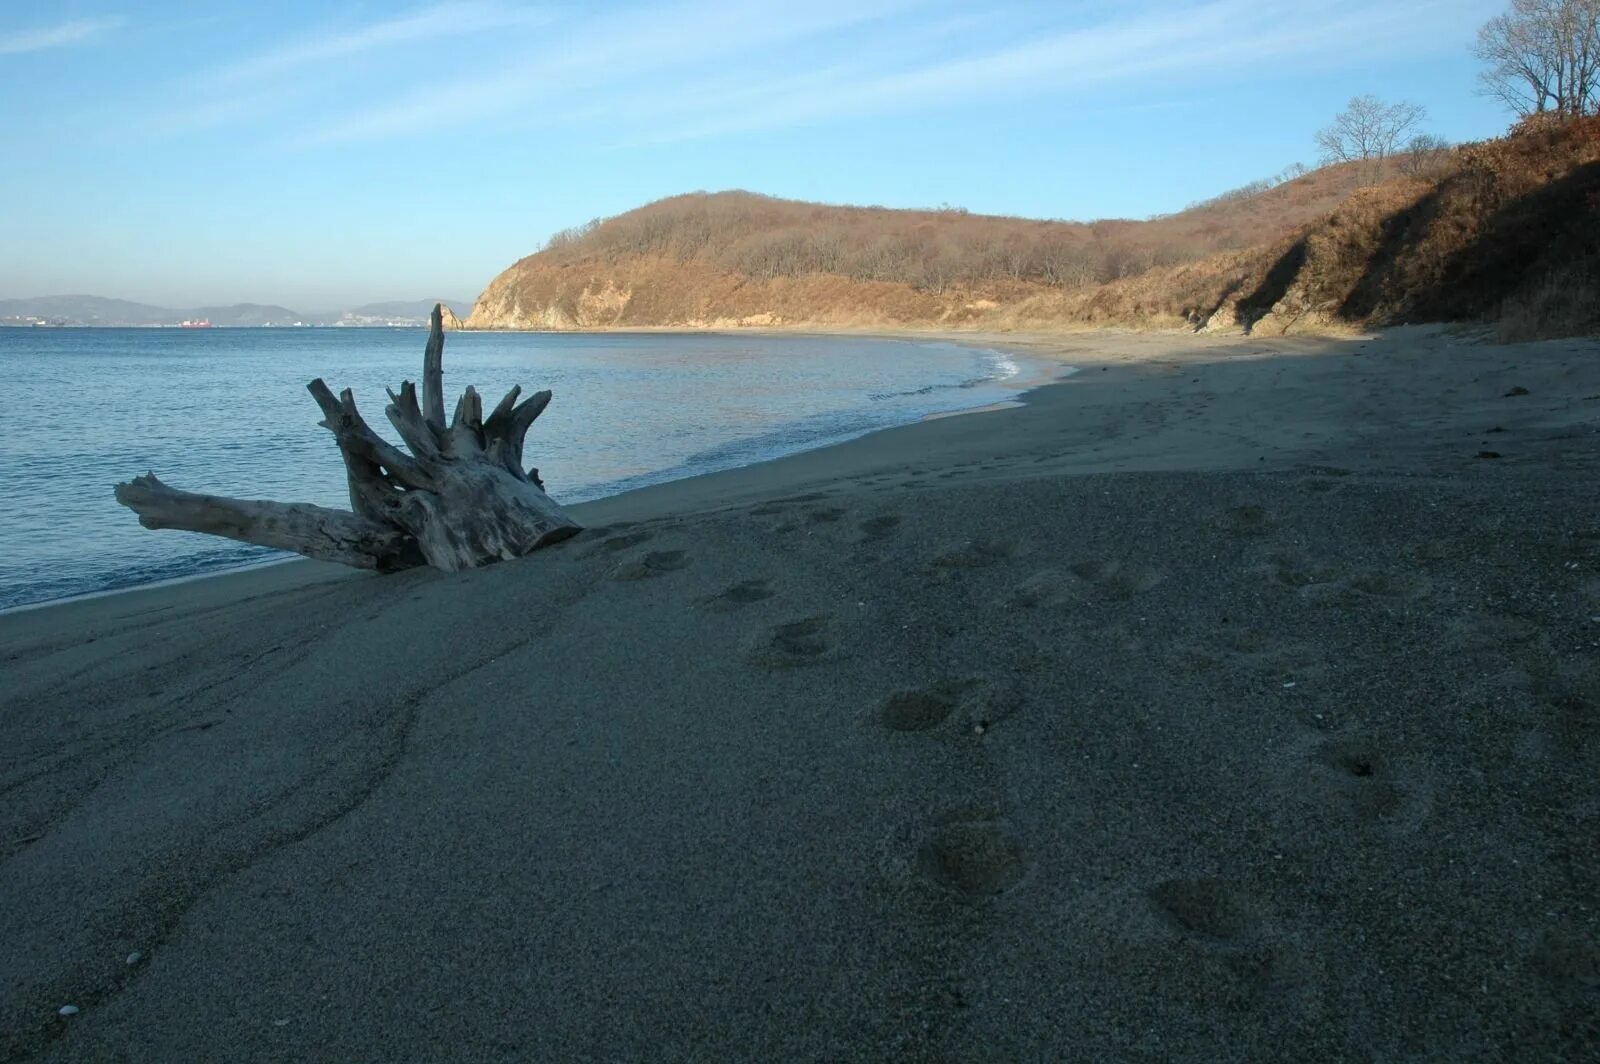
[
  {"x": 135, "y": 957},
  {"x": 69, "y": 1010}
]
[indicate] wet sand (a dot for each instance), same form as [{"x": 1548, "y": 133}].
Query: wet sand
[{"x": 1222, "y": 702}]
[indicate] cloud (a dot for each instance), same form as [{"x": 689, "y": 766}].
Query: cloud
[
  {"x": 260, "y": 86},
  {"x": 696, "y": 70},
  {"x": 430, "y": 23},
  {"x": 653, "y": 72},
  {"x": 621, "y": 46},
  {"x": 1127, "y": 55},
  {"x": 61, "y": 35},
  {"x": 1189, "y": 42}
]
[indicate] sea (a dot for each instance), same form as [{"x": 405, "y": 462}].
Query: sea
[{"x": 226, "y": 412}]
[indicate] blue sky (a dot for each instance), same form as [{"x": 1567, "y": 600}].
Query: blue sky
[{"x": 322, "y": 154}]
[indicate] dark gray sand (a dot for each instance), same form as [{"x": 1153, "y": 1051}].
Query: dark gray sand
[{"x": 943, "y": 745}]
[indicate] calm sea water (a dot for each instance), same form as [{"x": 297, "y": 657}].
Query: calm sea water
[{"x": 225, "y": 411}]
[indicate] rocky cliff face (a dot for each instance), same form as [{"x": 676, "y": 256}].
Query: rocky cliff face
[
  {"x": 663, "y": 293},
  {"x": 449, "y": 319}
]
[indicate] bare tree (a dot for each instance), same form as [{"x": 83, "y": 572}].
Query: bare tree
[
  {"x": 1544, "y": 57},
  {"x": 1368, "y": 129},
  {"x": 1424, "y": 153}
]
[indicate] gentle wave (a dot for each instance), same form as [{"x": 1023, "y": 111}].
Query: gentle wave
[{"x": 1003, "y": 367}]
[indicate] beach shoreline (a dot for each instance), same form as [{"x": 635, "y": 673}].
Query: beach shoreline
[
  {"x": 1036, "y": 371},
  {"x": 1233, "y": 694}
]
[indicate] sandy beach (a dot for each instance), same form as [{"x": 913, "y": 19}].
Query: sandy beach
[{"x": 1233, "y": 699}]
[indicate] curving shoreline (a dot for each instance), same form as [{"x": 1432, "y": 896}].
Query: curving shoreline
[
  {"x": 1219, "y": 699},
  {"x": 632, "y": 411}
]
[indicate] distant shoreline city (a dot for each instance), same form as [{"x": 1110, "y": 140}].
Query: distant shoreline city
[
  {"x": 99, "y": 312},
  {"x": 407, "y": 323}
]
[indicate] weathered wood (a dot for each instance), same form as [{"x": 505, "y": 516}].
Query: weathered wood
[
  {"x": 433, "y": 371},
  {"x": 315, "y": 531},
  {"x": 460, "y": 499}
]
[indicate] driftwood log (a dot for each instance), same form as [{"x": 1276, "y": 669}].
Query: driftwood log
[{"x": 460, "y": 499}]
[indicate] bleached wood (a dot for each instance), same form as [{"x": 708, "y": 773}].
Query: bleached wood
[
  {"x": 315, "y": 531},
  {"x": 460, "y": 499},
  {"x": 433, "y": 371}
]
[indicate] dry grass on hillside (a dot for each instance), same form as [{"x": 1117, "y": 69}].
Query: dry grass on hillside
[
  {"x": 762, "y": 238},
  {"x": 1560, "y": 303},
  {"x": 1504, "y": 230}
]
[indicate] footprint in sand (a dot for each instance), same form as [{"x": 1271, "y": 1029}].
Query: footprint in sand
[
  {"x": 1491, "y": 631},
  {"x": 1246, "y": 521},
  {"x": 809, "y": 641},
  {"x": 1568, "y": 957},
  {"x": 1117, "y": 579},
  {"x": 974, "y": 859},
  {"x": 1571, "y": 716},
  {"x": 738, "y": 596},
  {"x": 1384, "y": 584},
  {"x": 1248, "y": 640},
  {"x": 927, "y": 708},
  {"x": 778, "y": 506},
  {"x": 615, "y": 544},
  {"x": 911, "y": 711},
  {"x": 1281, "y": 665},
  {"x": 1293, "y": 569},
  {"x": 656, "y": 563},
  {"x": 1207, "y": 908},
  {"x": 879, "y": 527},
  {"x": 1192, "y": 658},
  {"x": 978, "y": 553},
  {"x": 1352, "y": 775},
  {"x": 1048, "y": 587}
]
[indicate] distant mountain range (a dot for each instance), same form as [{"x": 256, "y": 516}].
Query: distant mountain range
[{"x": 100, "y": 311}]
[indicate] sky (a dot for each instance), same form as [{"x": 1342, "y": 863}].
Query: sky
[{"x": 324, "y": 154}]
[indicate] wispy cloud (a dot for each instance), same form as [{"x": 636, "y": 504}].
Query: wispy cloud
[
  {"x": 61, "y": 35},
  {"x": 1130, "y": 52},
  {"x": 674, "y": 70},
  {"x": 642, "y": 74},
  {"x": 617, "y": 48},
  {"x": 430, "y": 23},
  {"x": 258, "y": 87}
]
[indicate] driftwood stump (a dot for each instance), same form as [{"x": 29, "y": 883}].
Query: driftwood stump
[{"x": 460, "y": 499}]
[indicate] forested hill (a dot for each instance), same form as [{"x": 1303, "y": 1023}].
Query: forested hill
[{"x": 1346, "y": 244}]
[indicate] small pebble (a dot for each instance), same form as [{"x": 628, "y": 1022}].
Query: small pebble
[
  {"x": 135, "y": 957},
  {"x": 69, "y": 1010}
]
